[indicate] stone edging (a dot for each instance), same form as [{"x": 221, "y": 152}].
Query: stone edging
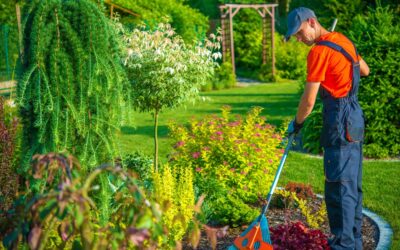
[{"x": 385, "y": 231}]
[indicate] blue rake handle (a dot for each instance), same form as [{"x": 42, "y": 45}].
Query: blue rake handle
[{"x": 278, "y": 173}]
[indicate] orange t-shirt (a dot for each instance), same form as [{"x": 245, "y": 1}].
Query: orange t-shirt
[{"x": 330, "y": 67}]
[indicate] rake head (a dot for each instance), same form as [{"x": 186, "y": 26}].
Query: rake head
[{"x": 256, "y": 236}]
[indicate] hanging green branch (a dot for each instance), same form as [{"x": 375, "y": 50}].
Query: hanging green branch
[{"x": 71, "y": 84}]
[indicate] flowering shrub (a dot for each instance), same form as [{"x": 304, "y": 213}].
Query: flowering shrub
[
  {"x": 297, "y": 236},
  {"x": 173, "y": 189},
  {"x": 234, "y": 161}
]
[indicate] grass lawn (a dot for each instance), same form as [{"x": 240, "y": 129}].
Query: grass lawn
[
  {"x": 380, "y": 178},
  {"x": 278, "y": 100}
]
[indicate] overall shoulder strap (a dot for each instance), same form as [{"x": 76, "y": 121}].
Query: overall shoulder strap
[
  {"x": 340, "y": 49},
  {"x": 355, "y": 64}
]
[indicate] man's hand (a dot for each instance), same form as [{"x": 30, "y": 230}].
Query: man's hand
[{"x": 294, "y": 127}]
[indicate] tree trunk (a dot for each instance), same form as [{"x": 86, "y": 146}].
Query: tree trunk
[{"x": 155, "y": 141}]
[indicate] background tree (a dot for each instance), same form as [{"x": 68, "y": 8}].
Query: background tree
[
  {"x": 7, "y": 13},
  {"x": 344, "y": 10},
  {"x": 70, "y": 89},
  {"x": 189, "y": 23},
  {"x": 9, "y": 43},
  {"x": 377, "y": 35},
  {"x": 164, "y": 71}
]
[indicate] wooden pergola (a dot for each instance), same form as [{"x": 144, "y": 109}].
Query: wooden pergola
[
  {"x": 228, "y": 11},
  {"x": 113, "y": 5}
]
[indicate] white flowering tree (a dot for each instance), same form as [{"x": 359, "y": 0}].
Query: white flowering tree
[{"x": 165, "y": 72}]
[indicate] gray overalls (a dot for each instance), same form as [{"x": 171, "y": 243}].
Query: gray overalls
[{"x": 341, "y": 138}]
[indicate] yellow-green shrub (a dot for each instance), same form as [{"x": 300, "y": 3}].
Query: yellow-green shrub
[
  {"x": 173, "y": 190},
  {"x": 314, "y": 218},
  {"x": 234, "y": 161}
]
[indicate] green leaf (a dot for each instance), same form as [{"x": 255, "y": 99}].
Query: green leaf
[
  {"x": 146, "y": 221},
  {"x": 47, "y": 209},
  {"x": 10, "y": 238},
  {"x": 77, "y": 245},
  {"x": 78, "y": 217}
]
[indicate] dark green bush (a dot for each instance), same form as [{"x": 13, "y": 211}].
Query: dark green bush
[
  {"x": 188, "y": 23},
  {"x": 377, "y": 36},
  {"x": 311, "y": 131},
  {"x": 140, "y": 164},
  {"x": 264, "y": 74},
  {"x": 207, "y": 87},
  {"x": 247, "y": 27},
  {"x": 326, "y": 11},
  {"x": 224, "y": 76},
  {"x": 291, "y": 58}
]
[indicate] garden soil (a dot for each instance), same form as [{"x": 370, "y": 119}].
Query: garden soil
[{"x": 278, "y": 216}]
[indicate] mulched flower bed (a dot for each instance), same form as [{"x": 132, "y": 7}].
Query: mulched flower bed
[{"x": 278, "y": 216}]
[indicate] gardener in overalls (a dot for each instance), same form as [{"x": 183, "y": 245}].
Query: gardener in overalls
[{"x": 333, "y": 69}]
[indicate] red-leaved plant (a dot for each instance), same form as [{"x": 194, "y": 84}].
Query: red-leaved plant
[
  {"x": 8, "y": 178},
  {"x": 302, "y": 190},
  {"x": 295, "y": 235}
]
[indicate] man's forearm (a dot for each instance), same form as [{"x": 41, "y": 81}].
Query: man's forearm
[
  {"x": 307, "y": 101},
  {"x": 304, "y": 110}
]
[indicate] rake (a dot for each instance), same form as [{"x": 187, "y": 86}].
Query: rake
[{"x": 257, "y": 235}]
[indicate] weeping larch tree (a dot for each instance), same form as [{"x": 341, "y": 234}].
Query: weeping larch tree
[{"x": 71, "y": 84}]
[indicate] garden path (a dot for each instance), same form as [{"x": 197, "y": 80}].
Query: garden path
[{"x": 245, "y": 82}]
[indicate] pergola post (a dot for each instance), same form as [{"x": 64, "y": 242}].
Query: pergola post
[
  {"x": 273, "y": 40},
  {"x": 223, "y": 33},
  {"x": 231, "y": 40},
  {"x": 112, "y": 11},
  {"x": 232, "y": 10},
  {"x": 264, "y": 41}
]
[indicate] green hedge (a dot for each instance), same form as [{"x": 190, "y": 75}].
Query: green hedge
[
  {"x": 291, "y": 58},
  {"x": 189, "y": 23},
  {"x": 377, "y": 36}
]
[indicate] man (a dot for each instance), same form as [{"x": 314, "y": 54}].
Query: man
[{"x": 333, "y": 69}]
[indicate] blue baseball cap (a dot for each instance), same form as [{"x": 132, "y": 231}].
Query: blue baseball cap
[{"x": 295, "y": 18}]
